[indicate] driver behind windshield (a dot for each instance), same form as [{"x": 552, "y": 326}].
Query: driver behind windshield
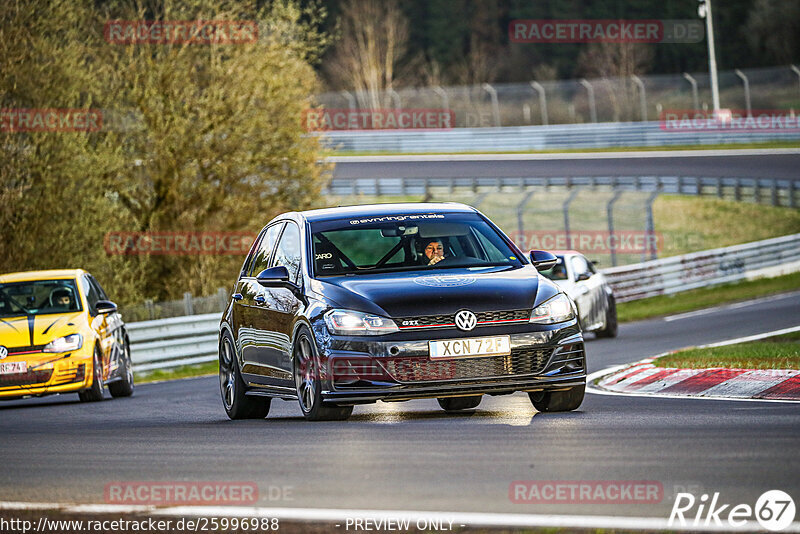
[
  {"x": 61, "y": 298},
  {"x": 434, "y": 251}
]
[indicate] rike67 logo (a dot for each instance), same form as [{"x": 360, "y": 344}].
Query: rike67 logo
[{"x": 774, "y": 510}]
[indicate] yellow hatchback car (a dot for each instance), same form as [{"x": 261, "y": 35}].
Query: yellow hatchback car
[{"x": 59, "y": 333}]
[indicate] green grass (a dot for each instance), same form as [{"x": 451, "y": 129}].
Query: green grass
[
  {"x": 732, "y": 146},
  {"x": 696, "y": 299},
  {"x": 778, "y": 352},
  {"x": 187, "y": 371}
]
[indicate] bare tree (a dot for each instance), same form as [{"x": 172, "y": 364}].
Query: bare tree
[
  {"x": 616, "y": 63},
  {"x": 374, "y": 35}
]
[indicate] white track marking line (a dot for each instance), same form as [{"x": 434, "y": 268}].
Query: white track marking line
[
  {"x": 562, "y": 155},
  {"x": 752, "y": 338},
  {"x": 733, "y": 306},
  {"x": 460, "y": 519}
]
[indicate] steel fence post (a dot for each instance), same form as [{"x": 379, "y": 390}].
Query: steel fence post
[
  {"x": 495, "y": 104},
  {"x": 565, "y": 208},
  {"x": 188, "y": 305},
  {"x": 746, "y": 83},
  {"x": 642, "y": 96},
  {"x": 592, "y": 104},
  {"x": 521, "y": 212},
  {"x": 695, "y": 99},
  {"x": 650, "y": 229},
  {"x": 542, "y": 100},
  {"x": 612, "y": 245}
]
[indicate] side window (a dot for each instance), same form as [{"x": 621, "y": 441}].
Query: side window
[
  {"x": 91, "y": 295},
  {"x": 98, "y": 288},
  {"x": 288, "y": 251},
  {"x": 579, "y": 266},
  {"x": 262, "y": 255}
]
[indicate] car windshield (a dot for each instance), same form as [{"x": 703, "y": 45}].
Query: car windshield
[
  {"x": 407, "y": 243},
  {"x": 558, "y": 272},
  {"x": 38, "y": 297}
]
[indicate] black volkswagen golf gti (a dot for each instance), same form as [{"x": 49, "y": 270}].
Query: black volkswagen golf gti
[{"x": 344, "y": 306}]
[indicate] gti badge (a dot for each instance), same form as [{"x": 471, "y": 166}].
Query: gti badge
[
  {"x": 3, "y": 352},
  {"x": 466, "y": 320}
]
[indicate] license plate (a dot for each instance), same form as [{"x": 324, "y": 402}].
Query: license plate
[
  {"x": 10, "y": 368},
  {"x": 465, "y": 348}
]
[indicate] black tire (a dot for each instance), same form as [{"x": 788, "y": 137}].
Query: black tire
[
  {"x": 455, "y": 404},
  {"x": 233, "y": 389},
  {"x": 558, "y": 401},
  {"x": 124, "y": 387},
  {"x": 610, "y": 327},
  {"x": 94, "y": 392},
  {"x": 308, "y": 385}
]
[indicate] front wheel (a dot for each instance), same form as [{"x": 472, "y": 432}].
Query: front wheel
[
  {"x": 124, "y": 387},
  {"x": 558, "y": 401},
  {"x": 231, "y": 386},
  {"x": 308, "y": 384},
  {"x": 455, "y": 404},
  {"x": 610, "y": 325},
  {"x": 94, "y": 392}
]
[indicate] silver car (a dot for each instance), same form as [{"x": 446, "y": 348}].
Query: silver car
[{"x": 589, "y": 289}]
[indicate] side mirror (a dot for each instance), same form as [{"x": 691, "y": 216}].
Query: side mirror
[
  {"x": 105, "y": 306},
  {"x": 274, "y": 276},
  {"x": 583, "y": 276},
  {"x": 543, "y": 260}
]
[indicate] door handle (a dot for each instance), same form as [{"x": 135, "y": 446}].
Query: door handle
[
  {"x": 237, "y": 296},
  {"x": 259, "y": 299}
]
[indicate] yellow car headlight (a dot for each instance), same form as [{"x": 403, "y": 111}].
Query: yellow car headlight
[{"x": 68, "y": 343}]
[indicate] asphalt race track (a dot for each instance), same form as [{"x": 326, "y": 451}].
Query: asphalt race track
[
  {"x": 413, "y": 456},
  {"x": 780, "y": 164}
]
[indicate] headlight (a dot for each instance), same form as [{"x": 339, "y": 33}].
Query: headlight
[
  {"x": 64, "y": 344},
  {"x": 555, "y": 310},
  {"x": 354, "y": 323}
]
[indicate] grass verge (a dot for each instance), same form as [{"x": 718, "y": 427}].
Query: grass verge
[
  {"x": 187, "y": 371},
  {"x": 706, "y": 297},
  {"x": 778, "y": 352}
]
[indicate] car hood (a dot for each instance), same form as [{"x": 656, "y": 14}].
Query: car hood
[
  {"x": 35, "y": 330},
  {"x": 417, "y": 293}
]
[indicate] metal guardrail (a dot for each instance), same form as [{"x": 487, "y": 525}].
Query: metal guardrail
[
  {"x": 556, "y": 136},
  {"x": 705, "y": 268},
  {"x": 174, "y": 342},
  {"x": 178, "y": 341},
  {"x": 766, "y": 190}
]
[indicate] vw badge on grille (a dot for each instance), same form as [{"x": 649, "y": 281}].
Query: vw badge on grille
[
  {"x": 466, "y": 320},
  {"x": 3, "y": 352}
]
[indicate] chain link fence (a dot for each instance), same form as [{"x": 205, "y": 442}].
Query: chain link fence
[{"x": 628, "y": 99}]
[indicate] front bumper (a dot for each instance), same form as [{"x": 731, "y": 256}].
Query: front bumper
[
  {"x": 358, "y": 370},
  {"x": 47, "y": 374}
]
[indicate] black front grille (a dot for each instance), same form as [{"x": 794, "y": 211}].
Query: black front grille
[
  {"x": 530, "y": 361},
  {"x": 26, "y": 379},
  {"x": 448, "y": 319}
]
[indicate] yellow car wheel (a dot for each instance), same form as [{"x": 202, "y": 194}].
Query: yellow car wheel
[{"x": 95, "y": 391}]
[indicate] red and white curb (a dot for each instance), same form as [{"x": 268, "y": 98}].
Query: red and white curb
[{"x": 644, "y": 378}]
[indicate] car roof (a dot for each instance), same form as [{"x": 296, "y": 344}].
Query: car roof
[
  {"x": 383, "y": 210},
  {"x": 28, "y": 276}
]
